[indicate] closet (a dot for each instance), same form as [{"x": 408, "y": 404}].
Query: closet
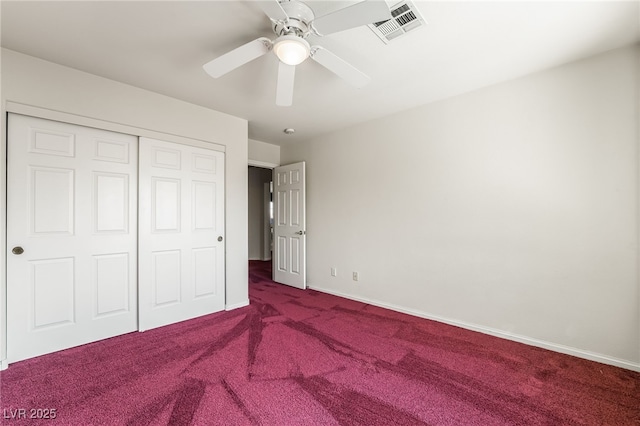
[{"x": 107, "y": 233}]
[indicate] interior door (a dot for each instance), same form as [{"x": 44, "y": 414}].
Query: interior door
[
  {"x": 71, "y": 235},
  {"x": 182, "y": 249},
  {"x": 289, "y": 228}
]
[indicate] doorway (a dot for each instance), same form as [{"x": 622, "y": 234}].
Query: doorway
[
  {"x": 260, "y": 216},
  {"x": 285, "y": 241}
]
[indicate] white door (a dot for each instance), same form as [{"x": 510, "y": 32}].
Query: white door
[
  {"x": 289, "y": 227},
  {"x": 71, "y": 236},
  {"x": 181, "y": 266}
]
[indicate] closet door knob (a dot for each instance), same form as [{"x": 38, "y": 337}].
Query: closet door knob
[
  {"x": 220, "y": 238},
  {"x": 17, "y": 250}
]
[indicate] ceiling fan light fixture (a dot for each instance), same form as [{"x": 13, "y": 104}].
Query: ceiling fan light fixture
[{"x": 291, "y": 49}]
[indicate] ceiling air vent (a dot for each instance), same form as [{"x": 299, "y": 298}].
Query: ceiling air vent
[{"x": 405, "y": 18}]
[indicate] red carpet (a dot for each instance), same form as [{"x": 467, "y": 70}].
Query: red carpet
[{"x": 307, "y": 358}]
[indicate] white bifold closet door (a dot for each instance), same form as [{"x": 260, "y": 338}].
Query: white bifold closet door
[
  {"x": 71, "y": 235},
  {"x": 181, "y": 253}
]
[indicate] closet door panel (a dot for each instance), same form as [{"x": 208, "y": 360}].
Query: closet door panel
[
  {"x": 71, "y": 235},
  {"x": 181, "y": 270}
]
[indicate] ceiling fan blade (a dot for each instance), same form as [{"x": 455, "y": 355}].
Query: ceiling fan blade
[
  {"x": 339, "y": 66},
  {"x": 284, "y": 91},
  {"x": 363, "y": 13},
  {"x": 237, "y": 57},
  {"x": 273, "y": 10}
]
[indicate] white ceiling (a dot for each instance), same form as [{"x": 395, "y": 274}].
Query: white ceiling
[{"x": 162, "y": 45}]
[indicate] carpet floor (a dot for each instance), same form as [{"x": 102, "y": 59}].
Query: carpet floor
[{"x": 306, "y": 358}]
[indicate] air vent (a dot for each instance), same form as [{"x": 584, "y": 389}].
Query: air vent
[{"x": 405, "y": 18}]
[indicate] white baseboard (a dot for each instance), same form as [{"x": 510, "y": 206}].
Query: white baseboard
[
  {"x": 4, "y": 365},
  {"x": 493, "y": 332},
  {"x": 237, "y": 305}
]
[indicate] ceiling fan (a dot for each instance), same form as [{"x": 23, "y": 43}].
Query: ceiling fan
[{"x": 293, "y": 21}]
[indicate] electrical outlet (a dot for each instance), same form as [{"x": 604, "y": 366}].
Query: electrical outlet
[
  {"x": 334, "y": 272},
  {"x": 355, "y": 276}
]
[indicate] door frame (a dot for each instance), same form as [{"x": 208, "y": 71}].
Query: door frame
[
  {"x": 49, "y": 114},
  {"x": 267, "y": 228},
  {"x": 270, "y": 166}
]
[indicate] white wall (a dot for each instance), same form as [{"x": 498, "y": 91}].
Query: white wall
[
  {"x": 57, "y": 92},
  {"x": 257, "y": 178},
  {"x": 511, "y": 210},
  {"x": 263, "y": 154}
]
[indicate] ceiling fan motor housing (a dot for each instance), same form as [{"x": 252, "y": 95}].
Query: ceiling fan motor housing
[{"x": 299, "y": 22}]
